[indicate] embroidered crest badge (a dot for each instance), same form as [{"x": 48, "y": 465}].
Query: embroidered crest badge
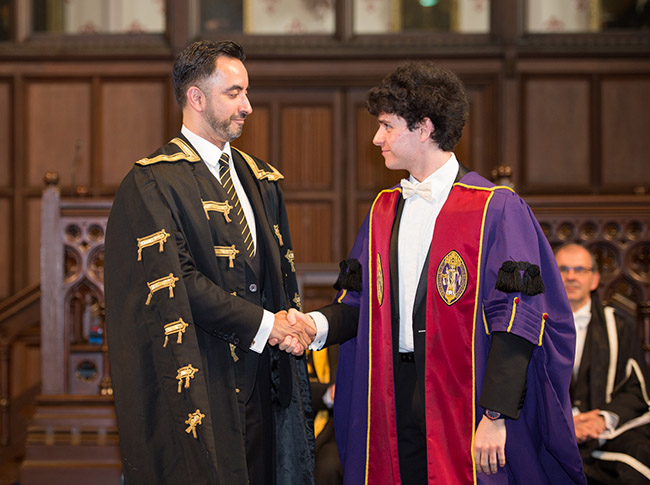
[{"x": 451, "y": 278}]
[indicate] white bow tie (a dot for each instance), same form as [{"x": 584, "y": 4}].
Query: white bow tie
[{"x": 409, "y": 189}]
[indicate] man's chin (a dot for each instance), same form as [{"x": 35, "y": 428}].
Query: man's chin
[{"x": 234, "y": 134}]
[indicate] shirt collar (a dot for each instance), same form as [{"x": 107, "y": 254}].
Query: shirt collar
[
  {"x": 207, "y": 151},
  {"x": 442, "y": 179},
  {"x": 582, "y": 316}
]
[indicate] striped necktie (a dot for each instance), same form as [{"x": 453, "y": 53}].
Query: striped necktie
[{"x": 226, "y": 182}]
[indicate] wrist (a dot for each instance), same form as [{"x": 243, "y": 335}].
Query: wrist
[{"x": 492, "y": 415}]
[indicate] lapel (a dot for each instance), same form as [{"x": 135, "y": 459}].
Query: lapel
[
  {"x": 589, "y": 384},
  {"x": 252, "y": 189},
  {"x": 394, "y": 279},
  {"x": 598, "y": 344}
]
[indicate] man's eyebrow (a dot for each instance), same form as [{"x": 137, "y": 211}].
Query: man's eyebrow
[{"x": 234, "y": 87}]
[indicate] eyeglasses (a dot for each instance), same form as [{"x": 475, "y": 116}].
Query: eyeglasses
[{"x": 581, "y": 270}]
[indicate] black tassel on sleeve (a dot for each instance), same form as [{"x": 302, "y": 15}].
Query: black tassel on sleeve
[
  {"x": 509, "y": 278},
  {"x": 533, "y": 283},
  {"x": 349, "y": 276}
]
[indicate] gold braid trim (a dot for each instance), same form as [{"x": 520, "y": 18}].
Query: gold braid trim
[
  {"x": 186, "y": 153},
  {"x": 260, "y": 173}
]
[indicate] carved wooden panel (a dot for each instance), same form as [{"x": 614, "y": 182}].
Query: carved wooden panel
[
  {"x": 5, "y": 249},
  {"x": 311, "y": 231},
  {"x": 59, "y": 125},
  {"x": 625, "y": 120},
  {"x": 556, "y": 134},
  {"x": 32, "y": 240},
  {"x": 6, "y": 133},
  {"x": 26, "y": 361},
  {"x": 307, "y": 146},
  {"x": 72, "y": 294},
  {"x": 257, "y": 133},
  {"x": 133, "y": 124},
  {"x": 617, "y": 231}
]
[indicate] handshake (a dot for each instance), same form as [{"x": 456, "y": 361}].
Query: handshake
[{"x": 292, "y": 331}]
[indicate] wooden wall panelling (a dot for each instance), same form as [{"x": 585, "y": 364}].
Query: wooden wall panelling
[
  {"x": 478, "y": 147},
  {"x": 133, "y": 118},
  {"x": 366, "y": 170},
  {"x": 625, "y": 119},
  {"x": 25, "y": 363},
  {"x": 6, "y": 134},
  {"x": 6, "y": 187},
  {"x": 302, "y": 133},
  {"x": 311, "y": 226},
  {"x": 32, "y": 241},
  {"x": 58, "y": 124},
  {"x": 5, "y": 248},
  {"x": 307, "y": 147},
  {"x": 255, "y": 138},
  {"x": 555, "y": 133}
]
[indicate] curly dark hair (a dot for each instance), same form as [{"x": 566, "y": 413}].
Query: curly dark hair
[
  {"x": 419, "y": 90},
  {"x": 197, "y": 62}
]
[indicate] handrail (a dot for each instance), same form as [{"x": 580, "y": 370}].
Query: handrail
[{"x": 17, "y": 303}]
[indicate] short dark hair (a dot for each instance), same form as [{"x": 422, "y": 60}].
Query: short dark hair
[
  {"x": 594, "y": 260},
  {"x": 197, "y": 62},
  {"x": 419, "y": 90}
]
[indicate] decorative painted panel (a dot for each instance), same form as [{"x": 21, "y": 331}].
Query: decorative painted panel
[{"x": 99, "y": 16}]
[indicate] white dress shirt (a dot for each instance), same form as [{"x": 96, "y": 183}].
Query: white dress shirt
[
  {"x": 417, "y": 224},
  {"x": 414, "y": 240},
  {"x": 211, "y": 154}
]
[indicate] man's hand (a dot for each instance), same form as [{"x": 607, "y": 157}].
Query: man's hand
[
  {"x": 588, "y": 425},
  {"x": 490, "y": 445},
  {"x": 292, "y": 336}
]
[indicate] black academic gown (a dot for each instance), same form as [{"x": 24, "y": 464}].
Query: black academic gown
[
  {"x": 181, "y": 316},
  {"x": 611, "y": 463}
]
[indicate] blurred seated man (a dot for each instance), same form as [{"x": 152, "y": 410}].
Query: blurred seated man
[
  {"x": 609, "y": 390},
  {"x": 322, "y": 375}
]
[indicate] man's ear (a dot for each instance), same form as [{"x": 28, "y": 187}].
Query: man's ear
[
  {"x": 426, "y": 129},
  {"x": 195, "y": 98}
]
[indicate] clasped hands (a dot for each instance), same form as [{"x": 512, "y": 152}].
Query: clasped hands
[
  {"x": 292, "y": 331},
  {"x": 589, "y": 425}
]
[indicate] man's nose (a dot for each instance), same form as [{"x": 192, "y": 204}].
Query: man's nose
[
  {"x": 247, "y": 107},
  {"x": 378, "y": 139}
]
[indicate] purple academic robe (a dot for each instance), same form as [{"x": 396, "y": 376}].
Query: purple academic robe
[{"x": 540, "y": 445}]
